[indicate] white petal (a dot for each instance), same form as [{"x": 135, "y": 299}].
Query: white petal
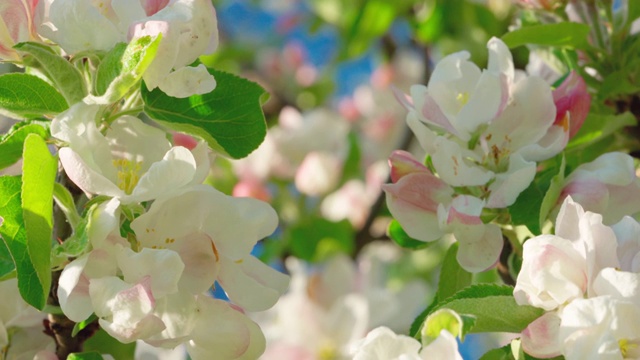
[
  {"x": 163, "y": 266},
  {"x": 188, "y": 81},
  {"x": 251, "y": 284}
]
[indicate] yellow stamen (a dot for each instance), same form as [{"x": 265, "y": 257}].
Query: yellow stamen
[{"x": 128, "y": 174}]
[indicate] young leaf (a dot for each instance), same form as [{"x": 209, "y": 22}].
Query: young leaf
[
  {"x": 229, "y": 118},
  {"x": 38, "y": 175},
  {"x": 503, "y": 353},
  {"x": 24, "y": 96},
  {"x": 400, "y": 237},
  {"x": 569, "y": 34},
  {"x": 453, "y": 277},
  {"x": 11, "y": 145},
  {"x": 446, "y": 319},
  {"x": 124, "y": 66},
  {"x": 527, "y": 208},
  {"x": 62, "y": 73},
  {"x": 493, "y": 306}
]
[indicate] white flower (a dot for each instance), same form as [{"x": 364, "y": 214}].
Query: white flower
[
  {"x": 383, "y": 344},
  {"x": 214, "y": 234},
  {"x": 485, "y": 126},
  {"x": 133, "y": 162},
  {"x": 600, "y": 328},
  {"x": 608, "y": 185}
]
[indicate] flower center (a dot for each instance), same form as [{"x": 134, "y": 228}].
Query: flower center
[
  {"x": 327, "y": 351},
  {"x": 627, "y": 347},
  {"x": 128, "y": 174},
  {"x": 463, "y": 98}
]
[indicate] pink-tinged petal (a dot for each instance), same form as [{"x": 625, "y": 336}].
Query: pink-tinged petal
[
  {"x": 422, "y": 190},
  {"x": 540, "y": 338},
  {"x": 429, "y": 111},
  {"x": 235, "y": 336},
  {"x": 403, "y": 163},
  {"x": 553, "y": 273},
  {"x": 163, "y": 267},
  {"x": 250, "y": 283},
  {"x": 188, "y": 141},
  {"x": 125, "y": 310},
  {"x": 591, "y": 194},
  {"x": 416, "y": 222},
  {"x": 404, "y": 99},
  {"x": 507, "y": 186},
  {"x": 153, "y": 6},
  {"x": 15, "y": 27},
  {"x": 253, "y": 188},
  {"x": 572, "y": 97}
]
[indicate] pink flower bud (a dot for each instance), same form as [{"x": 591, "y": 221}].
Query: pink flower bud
[
  {"x": 16, "y": 25},
  {"x": 403, "y": 163},
  {"x": 572, "y": 103}
]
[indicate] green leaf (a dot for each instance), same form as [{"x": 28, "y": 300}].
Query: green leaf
[
  {"x": 123, "y": 67},
  {"x": 527, "y": 208},
  {"x": 493, "y": 306},
  {"x": 38, "y": 175},
  {"x": 229, "y": 118},
  {"x": 64, "y": 76},
  {"x": 597, "y": 126},
  {"x": 85, "y": 356},
  {"x": 400, "y": 237},
  {"x": 569, "y": 34},
  {"x": 7, "y": 266},
  {"x": 453, "y": 277},
  {"x": 24, "y": 96},
  {"x": 503, "y": 353},
  {"x": 12, "y": 143},
  {"x": 14, "y": 236},
  {"x": 553, "y": 193},
  {"x": 315, "y": 239},
  {"x": 373, "y": 20},
  {"x": 105, "y": 344},
  {"x": 78, "y": 242}
]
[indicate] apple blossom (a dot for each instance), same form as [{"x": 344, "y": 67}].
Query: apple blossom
[
  {"x": 383, "y": 344},
  {"x": 427, "y": 208},
  {"x": 600, "y": 328},
  {"x": 214, "y": 234},
  {"x": 607, "y": 185},
  {"x": 189, "y": 29},
  {"x": 485, "y": 127},
  {"x": 133, "y": 162},
  {"x": 16, "y": 25}
]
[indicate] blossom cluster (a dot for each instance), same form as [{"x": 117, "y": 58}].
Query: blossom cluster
[
  {"x": 158, "y": 240},
  {"x": 483, "y": 132},
  {"x": 586, "y": 278}
]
